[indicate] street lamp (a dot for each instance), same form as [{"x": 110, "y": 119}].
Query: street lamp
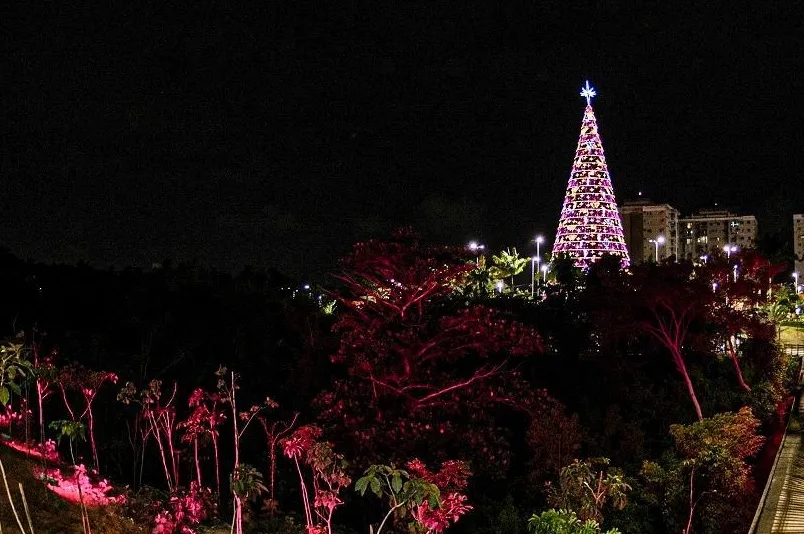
[
  {"x": 658, "y": 241},
  {"x": 714, "y": 287},
  {"x": 728, "y": 249},
  {"x": 735, "y": 272},
  {"x": 704, "y": 258},
  {"x": 533, "y": 261},
  {"x": 477, "y": 249},
  {"x": 545, "y": 268},
  {"x": 499, "y": 285},
  {"x": 795, "y": 281},
  {"x": 539, "y": 240}
]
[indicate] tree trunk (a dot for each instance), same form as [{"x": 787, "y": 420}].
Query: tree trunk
[
  {"x": 92, "y": 443},
  {"x": 682, "y": 368},
  {"x": 736, "y": 362}
]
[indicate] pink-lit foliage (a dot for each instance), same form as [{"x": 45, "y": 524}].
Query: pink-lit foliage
[
  {"x": 424, "y": 365},
  {"x": 246, "y": 481},
  {"x": 44, "y": 451},
  {"x": 326, "y": 472},
  {"x": 95, "y": 492},
  {"x": 10, "y": 418},
  {"x": 451, "y": 480},
  {"x": 433, "y": 500},
  {"x": 159, "y": 416},
  {"x": 274, "y": 432},
  {"x": 46, "y": 374},
  {"x": 87, "y": 382},
  {"x": 184, "y": 510},
  {"x": 201, "y": 426}
]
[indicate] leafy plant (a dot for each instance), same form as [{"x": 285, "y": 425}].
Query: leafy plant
[
  {"x": 13, "y": 366},
  {"x": 564, "y": 522},
  {"x": 586, "y": 487},
  {"x": 74, "y": 431},
  {"x": 246, "y": 482},
  {"x": 328, "y": 476},
  {"x": 431, "y": 500}
]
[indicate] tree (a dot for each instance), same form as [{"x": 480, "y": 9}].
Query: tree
[
  {"x": 87, "y": 382},
  {"x": 507, "y": 265},
  {"x": 586, "y": 487},
  {"x": 327, "y": 476},
  {"x": 710, "y": 471},
  {"x": 422, "y": 367}
]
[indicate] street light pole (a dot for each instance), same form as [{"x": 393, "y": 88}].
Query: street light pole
[
  {"x": 795, "y": 281},
  {"x": 658, "y": 241},
  {"x": 545, "y": 268},
  {"x": 533, "y": 274},
  {"x": 477, "y": 249}
]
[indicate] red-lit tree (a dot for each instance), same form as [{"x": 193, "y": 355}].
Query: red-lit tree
[
  {"x": 424, "y": 369},
  {"x": 87, "y": 382},
  {"x": 201, "y": 424},
  {"x": 686, "y": 309}
]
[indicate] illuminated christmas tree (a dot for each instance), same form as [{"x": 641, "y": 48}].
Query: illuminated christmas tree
[{"x": 590, "y": 224}]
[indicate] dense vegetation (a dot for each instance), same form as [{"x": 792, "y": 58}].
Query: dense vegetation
[{"x": 412, "y": 392}]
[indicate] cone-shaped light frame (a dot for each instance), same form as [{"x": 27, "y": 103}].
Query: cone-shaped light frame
[{"x": 590, "y": 224}]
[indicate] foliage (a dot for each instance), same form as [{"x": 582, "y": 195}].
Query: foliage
[
  {"x": 709, "y": 473},
  {"x": 563, "y": 522},
  {"x": 159, "y": 416},
  {"x": 553, "y": 438},
  {"x": 421, "y": 366},
  {"x": 14, "y": 366},
  {"x": 327, "y": 475},
  {"x": 185, "y": 509},
  {"x": 586, "y": 487},
  {"x": 507, "y": 265},
  {"x": 72, "y": 430},
  {"x": 246, "y": 482},
  {"x": 430, "y": 500}
]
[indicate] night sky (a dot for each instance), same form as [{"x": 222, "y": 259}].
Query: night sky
[{"x": 279, "y": 135}]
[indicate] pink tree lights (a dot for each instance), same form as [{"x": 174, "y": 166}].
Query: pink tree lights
[{"x": 590, "y": 225}]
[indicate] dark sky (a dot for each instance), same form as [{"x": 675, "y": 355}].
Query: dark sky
[{"x": 278, "y": 135}]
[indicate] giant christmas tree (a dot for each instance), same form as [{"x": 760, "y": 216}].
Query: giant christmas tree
[{"x": 590, "y": 224}]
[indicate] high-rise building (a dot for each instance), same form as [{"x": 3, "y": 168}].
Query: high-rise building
[
  {"x": 590, "y": 224},
  {"x": 711, "y": 230},
  {"x": 798, "y": 243},
  {"x": 650, "y": 230}
]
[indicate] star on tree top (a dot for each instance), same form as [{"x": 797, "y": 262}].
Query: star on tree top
[{"x": 588, "y": 93}]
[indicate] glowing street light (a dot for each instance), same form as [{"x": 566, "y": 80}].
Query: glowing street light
[
  {"x": 499, "y": 285},
  {"x": 728, "y": 249},
  {"x": 477, "y": 249},
  {"x": 704, "y": 258},
  {"x": 545, "y": 268},
  {"x": 714, "y": 287},
  {"x": 658, "y": 241},
  {"x": 735, "y": 273},
  {"x": 533, "y": 261},
  {"x": 795, "y": 281},
  {"x": 537, "y": 260}
]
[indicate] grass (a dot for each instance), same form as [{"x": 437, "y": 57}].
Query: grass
[
  {"x": 50, "y": 513},
  {"x": 791, "y": 334}
]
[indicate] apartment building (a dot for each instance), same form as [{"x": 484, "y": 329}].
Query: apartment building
[
  {"x": 710, "y": 231},
  {"x": 650, "y": 230}
]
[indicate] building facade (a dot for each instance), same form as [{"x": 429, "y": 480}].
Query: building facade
[
  {"x": 798, "y": 243},
  {"x": 711, "y": 230},
  {"x": 644, "y": 225}
]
